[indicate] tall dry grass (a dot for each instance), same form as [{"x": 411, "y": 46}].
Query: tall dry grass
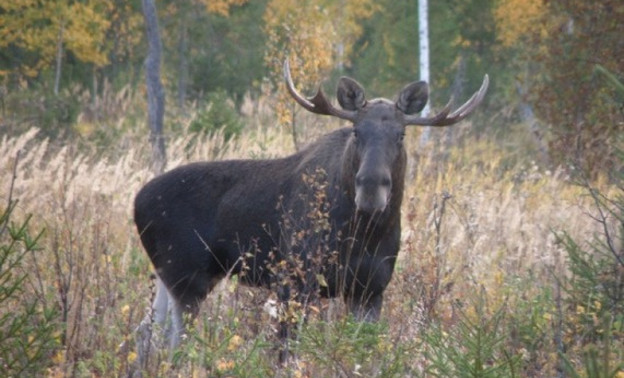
[{"x": 472, "y": 226}]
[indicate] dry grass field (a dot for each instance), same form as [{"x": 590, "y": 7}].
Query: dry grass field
[{"x": 483, "y": 286}]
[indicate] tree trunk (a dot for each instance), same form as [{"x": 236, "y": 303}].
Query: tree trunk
[
  {"x": 423, "y": 38},
  {"x": 94, "y": 95},
  {"x": 450, "y": 133},
  {"x": 528, "y": 116},
  {"x": 155, "y": 93},
  {"x": 183, "y": 64},
  {"x": 59, "y": 59}
]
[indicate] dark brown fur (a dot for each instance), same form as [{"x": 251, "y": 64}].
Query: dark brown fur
[{"x": 198, "y": 221}]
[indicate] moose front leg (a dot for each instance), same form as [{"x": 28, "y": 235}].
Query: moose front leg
[
  {"x": 366, "y": 309},
  {"x": 366, "y": 279},
  {"x": 295, "y": 296},
  {"x": 284, "y": 329}
]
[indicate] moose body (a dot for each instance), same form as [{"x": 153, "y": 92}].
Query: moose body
[{"x": 203, "y": 221}]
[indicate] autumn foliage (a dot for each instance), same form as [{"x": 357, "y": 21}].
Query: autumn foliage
[
  {"x": 567, "y": 43},
  {"x": 511, "y": 251},
  {"x": 41, "y": 28}
]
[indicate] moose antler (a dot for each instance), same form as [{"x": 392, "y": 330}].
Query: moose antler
[
  {"x": 443, "y": 118},
  {"x": 318, "y": 104}
]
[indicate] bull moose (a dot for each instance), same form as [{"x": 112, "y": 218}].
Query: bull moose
[{"x": 203, "y": 221}]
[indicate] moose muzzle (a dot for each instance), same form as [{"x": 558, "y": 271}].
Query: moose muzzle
[{"x": 372, "y": 190}]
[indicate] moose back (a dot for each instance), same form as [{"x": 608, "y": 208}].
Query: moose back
[{"x": 324, "y": 221}]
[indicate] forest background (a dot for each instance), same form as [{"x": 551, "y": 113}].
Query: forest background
[{"x": 518, "y": 211}]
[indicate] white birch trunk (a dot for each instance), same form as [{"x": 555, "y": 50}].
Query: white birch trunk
[{"x": 423, "y": 38}]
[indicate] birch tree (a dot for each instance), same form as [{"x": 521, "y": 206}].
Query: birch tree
[{"x": 423, "y": 43}]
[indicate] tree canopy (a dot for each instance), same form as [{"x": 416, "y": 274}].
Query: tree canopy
[
  {"x": 541, "y": 55},
  {"x": 33, "y": 30}
]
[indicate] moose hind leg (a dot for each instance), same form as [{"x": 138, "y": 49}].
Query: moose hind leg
[
  {"x": 177, "y": 325},
  {"x": 160, "y": 307},
  {"x": 185, "y": 297},
  {"x": 150, "y": 332},
  {"x": 165, "y": 324}
]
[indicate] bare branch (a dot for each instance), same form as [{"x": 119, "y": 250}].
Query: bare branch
[{"x": 10, "y": 203}]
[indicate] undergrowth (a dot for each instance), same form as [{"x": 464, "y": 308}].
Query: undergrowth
[
  {"x": 29, "y": 326},
  {"x": 503, "y": 270}
]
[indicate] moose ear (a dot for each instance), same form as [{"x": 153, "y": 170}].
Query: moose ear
[
  {"x": 413, "y": 97},
  {"x": 350, "y": 94}
]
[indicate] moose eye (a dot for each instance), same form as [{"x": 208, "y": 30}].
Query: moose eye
[
  {"x": 355, "y": 134},
  {"x": 401, "y": 136}
]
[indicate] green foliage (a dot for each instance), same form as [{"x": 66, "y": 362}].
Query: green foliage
[
  {"x": 595, "y": 288},
  {"x": 528, "y": 323},
  {"x": 53, "y": 114},
  {"x": 28, "y": 326},
  {"x": 347, "y": 347},
  {"x": 596, "y": 364},
  {"x": 473, "y": 347},
  {"x": 228, "y": 355},
  {"x": 614, "y": 81},
  {"x": 218, "y": 115},
  {"x": 386, "y": 56},
  {"x": 223, "y": 53},
  {"x": 382, "y": 61},
  {"x": 595, "y": 291}
]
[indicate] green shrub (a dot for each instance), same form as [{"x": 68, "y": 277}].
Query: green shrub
[
  {"x": 474, "y": 347},
  {"x": 594, "y": 327},
  {"x": 350, "y": 348},
  {"x": 219, "y": 114},
  {"x": 53, "y": 114},
  {"x": 28, "y": 327}
]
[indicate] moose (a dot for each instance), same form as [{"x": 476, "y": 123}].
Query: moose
[{"x": 204, "y": 221}]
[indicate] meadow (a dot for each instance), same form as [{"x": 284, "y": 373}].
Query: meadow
[{"x": 501, "y": 270}]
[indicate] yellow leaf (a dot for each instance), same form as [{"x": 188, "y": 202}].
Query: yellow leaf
[
  {"x": 224, "y": 365},
  {"x": 234, "y": 343},
  {"x": 132, "y": 356},
  {"x": 321, "y": 280},
  {"x": 59, "y": 357}
]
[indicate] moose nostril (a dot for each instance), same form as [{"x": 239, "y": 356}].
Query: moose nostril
[
  {"x": 366, "y": 181},
  {"x": 359, "y": 180},
  {"x": 372, "y": 181}
]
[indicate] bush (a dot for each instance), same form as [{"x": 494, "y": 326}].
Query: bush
[
  {"x": 28, "y": 327},
  {"x": 53, "y": 114},
  {"x": 220, "y": 115},
  {"x": 594, "y": 328},
  {"x": 474, "y": 347},
  {"x": 350, "y": 348}
]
